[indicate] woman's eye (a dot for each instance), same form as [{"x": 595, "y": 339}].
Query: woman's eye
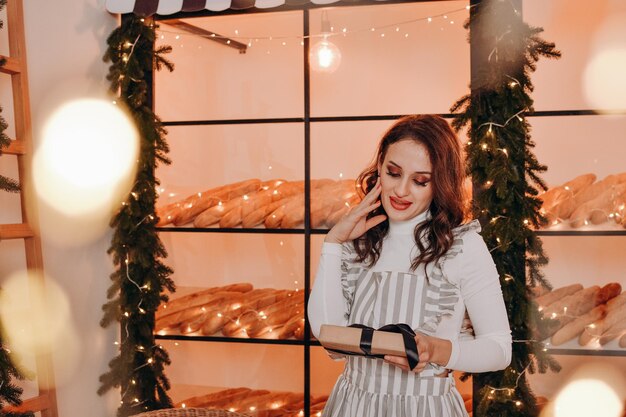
[
  {"x": 392, "y": 174},
  {"x": 421, "y": 183}
]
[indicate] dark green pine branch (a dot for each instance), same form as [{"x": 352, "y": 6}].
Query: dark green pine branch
[
  {"x": 141, "y": 277},
  {"x": 507, "y": 178}
]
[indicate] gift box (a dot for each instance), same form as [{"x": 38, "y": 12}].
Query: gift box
[{"x": 356, "y": 340}]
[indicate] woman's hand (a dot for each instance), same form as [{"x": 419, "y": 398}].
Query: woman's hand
[
  {"x": 431, "y": 349},
  {"x": 355, "y": 223}
]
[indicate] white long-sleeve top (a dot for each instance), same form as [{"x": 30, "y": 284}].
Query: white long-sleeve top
[{"x": 469, "y": 269}]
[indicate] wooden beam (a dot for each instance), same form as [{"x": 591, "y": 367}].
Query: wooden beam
[
  {"x": 11, "y": 66},
  {"x": 15, "y": 231},
  {"x": 15, "y": 148},
  {"x": 32, "y": 404}
]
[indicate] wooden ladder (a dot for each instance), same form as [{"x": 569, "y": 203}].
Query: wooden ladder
[{"x": 22, "y": 147}]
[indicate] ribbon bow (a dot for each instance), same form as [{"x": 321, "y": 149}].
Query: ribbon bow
[{"x": 367, "y": 333}]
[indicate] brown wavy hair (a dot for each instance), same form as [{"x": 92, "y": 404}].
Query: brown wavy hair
[{"x": 434, "y": 236}]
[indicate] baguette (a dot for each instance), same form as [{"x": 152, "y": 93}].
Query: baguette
[
  {"x": 617, "y": 330},
  {"x": 565, "y": 209},
  {"x": 206, "y": 201},
  {"x": 166, "y": 214},
  {"x": 222, "y": 306},
  {"x": 197, "y": 299},
  {"x": 279, "y": 197},
  {"x": 277, "y": 317},
  {"x": 214, "y": 322},
  {"x": 577, "y": 326},
  {"x": 567, "y": 308},
  {"x": 554, "y": 295},
  {"x": 613, "y": 316},
  {"x": 341, "y": 211},
  {"x": 290, "y": 327},
  {"x": 275, "y": 216},
  {"x": 326, "y": 200},
  {"x": 239, "y": 326},
  {"x": 558, "y": 194},
  {"x": 600, "y": 206},
  {"x": 233, "y": 214},
  {"x": 193, "y": 312},
  {"x": 201, "y": 400},
  {"x": 233, "y": 399}
]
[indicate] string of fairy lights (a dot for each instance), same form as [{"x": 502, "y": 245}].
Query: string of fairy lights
[{"x": 444, "y": 17}]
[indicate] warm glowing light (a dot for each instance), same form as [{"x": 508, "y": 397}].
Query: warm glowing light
[
  {"x": 86, "y": 157},
  {"x": 325, "y": 56},
  {"x": 588, "y": 397},
  {"x": 604, "y": 81}
]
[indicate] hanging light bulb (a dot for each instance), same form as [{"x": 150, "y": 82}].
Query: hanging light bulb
[{"x": 324, "y": 56}]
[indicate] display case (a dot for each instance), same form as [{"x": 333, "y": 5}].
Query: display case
[
  {"x": 264, "y": 115},
  {"x": 576, "y": 134}
]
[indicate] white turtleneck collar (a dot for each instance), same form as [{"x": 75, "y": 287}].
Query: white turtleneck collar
[{"x": 407, "y": 226}]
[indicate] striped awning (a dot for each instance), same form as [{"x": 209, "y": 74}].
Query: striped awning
[{"x": 165, "y": 7}]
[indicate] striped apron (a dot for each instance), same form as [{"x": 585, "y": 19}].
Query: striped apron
[{"x": 373, "y": 388}]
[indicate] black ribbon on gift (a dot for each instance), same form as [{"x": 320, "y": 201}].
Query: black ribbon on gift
[{"x": 367, "y": 333}]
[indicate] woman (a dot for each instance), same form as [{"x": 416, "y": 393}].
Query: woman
[{"x": 403, "y": 255}]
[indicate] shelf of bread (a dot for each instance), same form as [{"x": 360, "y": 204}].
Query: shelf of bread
[
  {"x": 591, "y": 318},
  {"x": 253, "y": 402},
  {"x": 253, "y": 203},
  {"x": 235, "y": 311},
  {"x": 586, "y": 203},
  {"x": 199, "y": 370}
]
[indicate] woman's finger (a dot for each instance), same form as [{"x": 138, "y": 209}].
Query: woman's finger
[{"x": 374, "y": 192}]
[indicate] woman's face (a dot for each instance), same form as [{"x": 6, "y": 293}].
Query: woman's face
[{"x": 405, "y": 177}]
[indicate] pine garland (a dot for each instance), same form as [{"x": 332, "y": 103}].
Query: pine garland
[
  {"x": 507, "y": 180},
  {"x": 141, "y": 277}
]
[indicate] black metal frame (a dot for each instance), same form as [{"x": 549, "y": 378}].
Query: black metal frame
[{"x": 307, "y": 231}]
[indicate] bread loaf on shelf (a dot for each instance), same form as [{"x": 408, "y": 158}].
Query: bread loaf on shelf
[
  {"x": 554, "y": 295},
  {"x": 229, "y": 192},
  {"x": 235, "y": 310},
  {"x": 275, "y": 203},
  {"x": 582, "y": 201},
  {"x": 556, "y": 195},
  {"x": 256, "y": 402},
  {"x": 582, "y": 311},
  {"x": 616, "y": 312}
]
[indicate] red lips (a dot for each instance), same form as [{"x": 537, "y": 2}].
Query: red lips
[{"x": 399, "y": 204}]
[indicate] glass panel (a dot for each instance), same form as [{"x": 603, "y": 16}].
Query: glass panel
[
  {"x": 590, "y": 39},
  {"x": 259, "y": 377},
  {"x": 399, "y": 68},
  {"x": 574, "y": 145},
  {"x": 214, "y": 81},
  {"x": 235, "y": 285},
  {"x": 206, "y": 157},
  {"x": 587, "y": 261}
]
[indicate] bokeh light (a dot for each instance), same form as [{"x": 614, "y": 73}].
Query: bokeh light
[
  {"x": 86, "y": 157},
  {"x": 595, "y": 389},
  {"x": 36, "y": 316},
  {"x": 603, "y": 80}
]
